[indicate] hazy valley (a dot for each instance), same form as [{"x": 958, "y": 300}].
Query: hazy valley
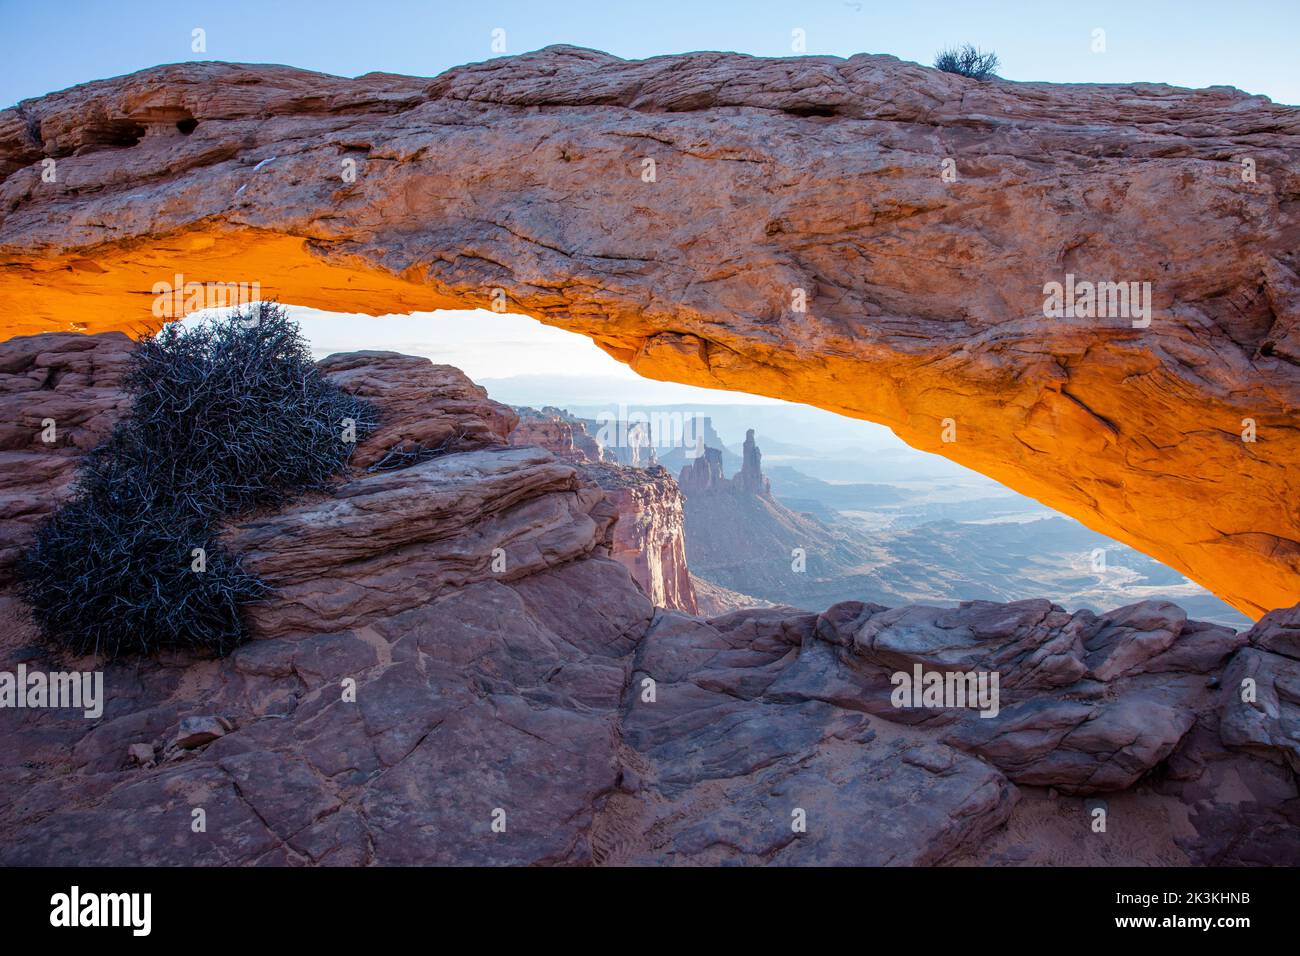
[{"x": 877, "y": 521}]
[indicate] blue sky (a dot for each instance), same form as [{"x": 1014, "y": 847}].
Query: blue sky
[{"x": 49, "y": 45}]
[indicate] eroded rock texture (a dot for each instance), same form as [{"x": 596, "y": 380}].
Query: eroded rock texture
[
  {"x": 649, "y": 537},
  {"x": 60, "y": 396},
  {"x": 402, "y": 695},
  {"x": 924, "y": 293},
  {"x": 559, "y": 433}
]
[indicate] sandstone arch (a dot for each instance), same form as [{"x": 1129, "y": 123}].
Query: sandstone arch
[{"x": 924, "y": 296}]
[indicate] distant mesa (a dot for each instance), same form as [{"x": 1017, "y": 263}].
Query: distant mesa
[{"x": 705, "y": 473}]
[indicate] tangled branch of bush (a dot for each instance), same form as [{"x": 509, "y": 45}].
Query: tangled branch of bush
[
  {"x": 967, "y": 61},
  {"x": 227, "y": 416},
  {"x": 404, "y": 454}
]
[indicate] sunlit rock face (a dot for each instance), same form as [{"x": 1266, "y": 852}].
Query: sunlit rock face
[{"x": 864, "y": 235}]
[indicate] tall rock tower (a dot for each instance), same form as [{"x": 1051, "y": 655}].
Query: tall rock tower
[{"x": 751, "y": 479}]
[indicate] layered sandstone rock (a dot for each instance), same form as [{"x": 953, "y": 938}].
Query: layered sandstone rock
[
  {"x": 405, "y": 691},
  {"x": 644, "y": 504},
  {"x": 649, "y": 537},
  {"x": 803, "y": 236},
  {"x": 398, "y": 540},
  {"x": 427, "y": 408},
  {"x": 558, "y": 432},
  {"x": 60, "y": 396}
]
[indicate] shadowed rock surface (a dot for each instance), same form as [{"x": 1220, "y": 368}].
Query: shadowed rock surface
[
  {"x": 924, "y": 295},
  {"x": 72, "y": 382},
  {"x": 401, "y": 695}
]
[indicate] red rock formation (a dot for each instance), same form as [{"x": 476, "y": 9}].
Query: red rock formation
[
  {"x": 559, "y": 433},
  {"x": 59, "y": 397},
  {"x": 799, "y": 239},
  {"x": 398, "y": 540},
  {"x": 704, "y": 474},
  {"x": 750, "y": 479},
  {"x": 426, "y": 406},
  {"x": 648, "y": 535},
  {"x": 742, "y": 540},
  {"x": 403, "y": 689}
]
